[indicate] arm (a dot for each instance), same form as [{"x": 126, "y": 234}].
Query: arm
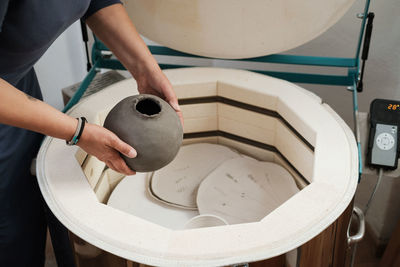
[
  {"x": 113, "y": 26},
  {"x": 20, "y": 110}
]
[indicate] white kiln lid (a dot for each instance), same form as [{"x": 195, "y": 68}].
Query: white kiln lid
[{"x": 234, "y": 28}]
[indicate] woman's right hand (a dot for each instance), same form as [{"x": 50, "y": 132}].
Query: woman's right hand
[{"x": 106, "y": 146}]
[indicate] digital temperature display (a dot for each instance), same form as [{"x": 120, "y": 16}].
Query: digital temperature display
[
  {"x": 393, "y": 107},
  {"x": 384, "y": 134},
  {"x": 386, "y": 111}
]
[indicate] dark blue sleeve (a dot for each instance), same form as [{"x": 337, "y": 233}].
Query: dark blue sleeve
[
  {"x": 96, "y": 5},
  {"x": 3, "y": 11}
]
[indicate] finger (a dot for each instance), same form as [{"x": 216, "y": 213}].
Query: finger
[
  {"x": 180, "y": 115},
  {"x": 111, "y": 165},
  {"x": 177, "y": 109},
  {"x": 123, "y": 148},
  {"x": 120, "y": 164},
  {"x": 173, "y": 101},
  {"x": 170, "y": 96},
  {"x": 174, "y": 104}
]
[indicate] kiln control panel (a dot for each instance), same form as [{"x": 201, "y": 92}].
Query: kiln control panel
[{"x": 383, "y": 145}]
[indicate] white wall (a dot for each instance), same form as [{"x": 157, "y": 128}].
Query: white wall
[
  {"x": 382, "y": 79},
  {"x": 62, "y": 65}
]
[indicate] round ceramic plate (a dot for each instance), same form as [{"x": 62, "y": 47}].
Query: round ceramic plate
[
  {"x": 131, "y": 196},
  {"x": 177, "y": 183},
  {"x": 245, "y": 190}
]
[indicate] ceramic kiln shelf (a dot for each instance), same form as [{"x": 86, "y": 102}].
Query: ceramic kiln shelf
[
  {"x": 209, "y": 179},
  {"x": 263, "y": 117}
]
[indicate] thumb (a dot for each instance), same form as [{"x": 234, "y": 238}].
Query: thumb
[
  {"x": 125, "y": 149},
  {"x": 170, "y": 96},
  {"x": 174, "y": 104}
]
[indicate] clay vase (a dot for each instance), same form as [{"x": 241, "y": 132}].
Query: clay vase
[{"x": 151, "y": 126}]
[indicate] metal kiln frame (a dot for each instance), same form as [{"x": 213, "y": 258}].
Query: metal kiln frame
[{"x": 102, "y": 60}]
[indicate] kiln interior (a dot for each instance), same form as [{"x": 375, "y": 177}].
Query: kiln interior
[{"x": 224, "y": 118}]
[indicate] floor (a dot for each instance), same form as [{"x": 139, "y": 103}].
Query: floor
[
  {"x": 50, "y": 258},
  {"x": 365, "y": 256},
  {"x": 366, "y": 253}
]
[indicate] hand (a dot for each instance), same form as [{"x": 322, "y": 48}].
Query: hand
[
  {"x": 151, "y": 80},
  {"x": 114, "y": 27},
  {"x": 106, "y": 146}
]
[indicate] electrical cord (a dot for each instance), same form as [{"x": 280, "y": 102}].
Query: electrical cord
[{"x": 378, "y": 182}]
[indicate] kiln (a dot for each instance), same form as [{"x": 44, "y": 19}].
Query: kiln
[{"x": 261, "y": 116}]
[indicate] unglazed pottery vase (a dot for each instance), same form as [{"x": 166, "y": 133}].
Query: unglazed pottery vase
[{"x": 151, "y": 126}]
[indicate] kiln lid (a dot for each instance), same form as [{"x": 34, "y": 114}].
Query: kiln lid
[{"x": 234, "y": 28}]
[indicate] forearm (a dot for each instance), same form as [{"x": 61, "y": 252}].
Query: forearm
[
  {"x": 113, "y": 26},
  {"x": 20, "y": 110}
]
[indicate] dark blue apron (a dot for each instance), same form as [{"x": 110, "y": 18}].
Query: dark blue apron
[{"x": 27, "y": 29}]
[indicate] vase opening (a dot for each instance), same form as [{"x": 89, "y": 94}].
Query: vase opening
[{"x": 148, "y": 106}]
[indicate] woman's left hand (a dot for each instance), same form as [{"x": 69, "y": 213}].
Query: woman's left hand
[{"x": 151, "y": 80}]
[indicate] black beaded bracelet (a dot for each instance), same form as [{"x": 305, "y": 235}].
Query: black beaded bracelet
[{"x": 78, "y": 132}]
